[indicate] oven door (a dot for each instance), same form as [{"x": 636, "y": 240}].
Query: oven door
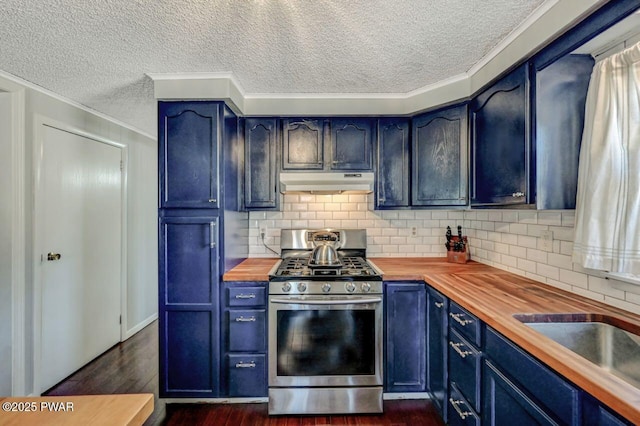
[{"x": 325, "y": 341}]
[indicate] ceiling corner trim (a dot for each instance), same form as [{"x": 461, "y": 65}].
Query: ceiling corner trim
[{"x": 205, "y": 85}]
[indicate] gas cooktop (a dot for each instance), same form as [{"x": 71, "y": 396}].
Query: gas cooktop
[{"x": 352, "y": 268}]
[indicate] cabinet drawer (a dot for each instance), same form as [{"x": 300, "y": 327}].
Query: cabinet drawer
[
  {"x": 555, "y": 394},
  {"x": 246, "y": 296},
  {"x": 466, "y": 323},
  {"x": 460, "y": 412},
  {"x": 247, "y": 330},
  {"x": 464, "y": 368},
  {"x": 247, "y": 375}
]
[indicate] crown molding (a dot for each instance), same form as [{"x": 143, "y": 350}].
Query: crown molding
[{"x": 543, "y": 25}]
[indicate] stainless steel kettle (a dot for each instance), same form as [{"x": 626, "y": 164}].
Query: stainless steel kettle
[{"x": 324, "y": 252}]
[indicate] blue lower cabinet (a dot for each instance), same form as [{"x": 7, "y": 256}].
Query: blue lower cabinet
[
  {"x": 552, "y": 393},
  {"x": 247, "y": 330},
  {"x": 247, "y": 374},
  {"x": 460, "y": 412},
  {"x": 244, "y": 335},
  {"x": 189, "y": 316},
  {"x": 594, "y": 413},
  {"x": 506, "y": 404},
  {"x": 437, "y": 309},
  {"x": 405, "y": 328},
  {"x": 188, "y": 365},
  {"x": 464, "y": 368}
]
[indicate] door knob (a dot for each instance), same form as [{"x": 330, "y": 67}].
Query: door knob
[{"x": 53, "y": 256}]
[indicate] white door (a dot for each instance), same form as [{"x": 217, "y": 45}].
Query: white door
[{"x": 80, "y": 212}]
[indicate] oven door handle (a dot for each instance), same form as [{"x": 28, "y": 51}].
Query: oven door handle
[{"x": 360, "y": 301}]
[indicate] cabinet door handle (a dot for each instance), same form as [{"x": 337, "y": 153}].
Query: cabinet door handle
[
  {"x": 518, "y": 194},
  {"x": 243, "y": 319},
  {"x": 243, "y": 364},
  {"x": 213, "y": 200},
  {"x": 456, "y": 347},
  {"x": 246, "y": 296},
  {"x": 455, "y": 403},
  {"x": 462, "y": 322},
  {"x": 439, "y": 304},
  {"x": 212, "y": 232}
]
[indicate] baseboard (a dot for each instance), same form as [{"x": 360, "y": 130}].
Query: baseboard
[
  {"x": 133, "y": 330},
  {"x": 406, "y": 395},
  {"x": 215, "y": 400}
]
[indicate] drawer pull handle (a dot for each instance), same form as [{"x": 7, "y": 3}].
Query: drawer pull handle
[
  {"x": 243, "y": 364},
  {"x": 213, "y": 200},
  {"x": 518, "y": 194},
  {"x": 243, "y": 319},
  {"x": 455, "y": 403},
  {"x": 462, "y": 322},
  {"x": 439, "y": 304},
  {"x": 456, "y": 347},
  {"x": 246, "y": 296}
]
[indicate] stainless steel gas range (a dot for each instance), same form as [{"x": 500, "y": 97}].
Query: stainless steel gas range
[{"x": 325, "y": 326}]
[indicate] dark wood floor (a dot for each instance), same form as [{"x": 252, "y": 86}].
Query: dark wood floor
[{"x": 132, "y": 367}]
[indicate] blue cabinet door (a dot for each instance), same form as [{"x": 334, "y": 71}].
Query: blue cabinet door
[
  {"x": 189, "y": 307},
  {"x": 405, "y": 337},
  {"x": 439, "y": 168},
  {"x": 393, "y": 163},
  {"x": 188, "y": 153},
  {"x": 261, "y": 165},
  {"x": 500, "y": 141},
  {"x": 302, "y": 144},
  {"x": 352, "y": 144},
  {"x": 505, "y": 404},
  {"x": 437, "y": 308},
  {"x": 560, "y": 94}
]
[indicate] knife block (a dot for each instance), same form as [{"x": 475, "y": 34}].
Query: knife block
[{"x": 459, "y": 256}]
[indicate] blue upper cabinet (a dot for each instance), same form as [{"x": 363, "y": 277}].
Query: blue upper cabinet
[
  {"x": 499, "y": 124},
  {"x": 392, "y": 188},
  {"x": 261, "y": 163},
  {"x": 439, "y": 168},
  {"x": 560, "y": 92},
  {"x": 302, "y": 144},
  {"x": 352, "y": 144},
  {"x": 189, "y": 134}
]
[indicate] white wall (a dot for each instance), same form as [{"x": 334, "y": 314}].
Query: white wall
[
  {"x": 141, "y": 204},
  {"x": 5, "y": 243},
  {"x": 506, "y": 239}
]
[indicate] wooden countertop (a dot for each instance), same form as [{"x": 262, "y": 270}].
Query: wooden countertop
[
  {"x": 494, "y": 296},
  {"x": 107, "y": 410},
  {"x": 252, "y": 269}
]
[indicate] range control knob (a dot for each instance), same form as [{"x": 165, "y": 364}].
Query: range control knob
[
  {"x": 302, "y": 287},
  {"x": 350, "y": 287},
  {"x": 326, "y": 288},
  {"x": 286, "y": 287},
  {"x": 366, "y": 287}
]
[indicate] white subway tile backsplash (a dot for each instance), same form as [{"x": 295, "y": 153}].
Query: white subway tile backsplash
[
  {"x": 548, "y": 271},
  {"x": 550, "y": 218},
  {"x": 527, "y": 217}
]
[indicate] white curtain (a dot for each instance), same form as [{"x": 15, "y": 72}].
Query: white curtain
[{"x": 607, "y": 230}]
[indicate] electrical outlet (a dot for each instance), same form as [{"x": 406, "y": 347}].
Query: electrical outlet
[
  {"x": 263, "y": 232},
  {"x": 546, "y": 240},
  {"x": 414, "y": 231}
]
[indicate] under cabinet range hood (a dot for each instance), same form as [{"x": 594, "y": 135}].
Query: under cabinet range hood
[{"x": 327, "y": 183}]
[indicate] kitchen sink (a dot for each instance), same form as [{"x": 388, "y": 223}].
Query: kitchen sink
[{"x": 608, "y": 342}]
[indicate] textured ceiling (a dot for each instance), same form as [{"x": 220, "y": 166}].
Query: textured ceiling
[{"x": 96, "y": 52}]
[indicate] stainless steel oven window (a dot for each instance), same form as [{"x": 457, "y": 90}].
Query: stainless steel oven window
[{"x": 325, "y": 341}]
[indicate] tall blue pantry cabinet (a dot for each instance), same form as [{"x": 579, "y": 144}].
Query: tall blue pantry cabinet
[{"x": 202, "y": 233}]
